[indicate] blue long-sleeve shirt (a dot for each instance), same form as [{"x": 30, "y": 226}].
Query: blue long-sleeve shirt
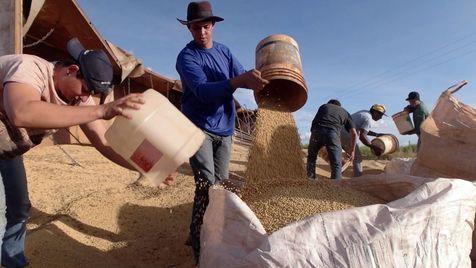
[{"x": 207, "y": 98}]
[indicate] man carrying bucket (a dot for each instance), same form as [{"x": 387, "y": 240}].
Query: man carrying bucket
[
  {"x": 363, "y": 121},
  {"x": 38, "y": 98},
  {"x": 419, "y": 111},
  {"x": 210, "y": 74},
  {"x": 325, "y": 131}
]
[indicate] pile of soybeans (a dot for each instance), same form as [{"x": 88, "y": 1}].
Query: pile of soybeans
[{"x": 276, "y": 186}]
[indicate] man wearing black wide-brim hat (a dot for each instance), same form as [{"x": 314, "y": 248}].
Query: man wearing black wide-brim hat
[
  {"x": 419, "y": 111},
  {"x": 210, "y": 74}
]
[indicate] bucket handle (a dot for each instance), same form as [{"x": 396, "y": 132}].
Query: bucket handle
[{"x": 457, "y": 87}]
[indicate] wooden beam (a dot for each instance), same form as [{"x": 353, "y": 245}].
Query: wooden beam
[
  {"x": 11, "y": 19},
  {"x": 67, "y": 20}
]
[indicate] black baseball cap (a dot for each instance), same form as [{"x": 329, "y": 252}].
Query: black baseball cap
[
  {"x": 413, "y": 96},
  {"x": 95, "y": 68}
]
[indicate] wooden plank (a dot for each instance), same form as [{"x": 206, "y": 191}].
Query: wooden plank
[
  {"x": 52, "y": 18},
  {"x": 10, "y": 27},
  {"x": 66, "y": 19}
]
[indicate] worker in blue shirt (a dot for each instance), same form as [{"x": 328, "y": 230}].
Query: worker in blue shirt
[{"x": 210, "y": 74}]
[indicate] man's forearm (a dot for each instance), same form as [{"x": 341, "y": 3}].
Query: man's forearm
[
  {"x": 371, "y": 133},
  {"x": 95, "y": 132},
  {"x": 110, "y": 154},
  {"x": 39, "y": 114},
  {"x": 364, "y": 139},
  {"x": 251, "y": 80},
  {"x": 353, "y": 140}
]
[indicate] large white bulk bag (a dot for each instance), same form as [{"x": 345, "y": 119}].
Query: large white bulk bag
[{"x": 430, "y": 227}]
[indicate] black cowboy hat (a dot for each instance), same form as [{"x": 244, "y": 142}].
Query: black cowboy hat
[{"x": 199, "y": 11}]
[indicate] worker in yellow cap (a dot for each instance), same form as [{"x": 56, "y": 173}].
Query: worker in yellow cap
[{"x": 364, "y": 121}]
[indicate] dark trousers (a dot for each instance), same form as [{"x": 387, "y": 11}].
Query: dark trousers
[
  {"x": 418, "y": 143},
  {"x": 331, "y": 140},
  {"x": 210, "y": 165},
  {"x": 18, "y": 208}
]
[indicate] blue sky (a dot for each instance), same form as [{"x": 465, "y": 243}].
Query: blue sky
[{"x": 360, "y": 52}]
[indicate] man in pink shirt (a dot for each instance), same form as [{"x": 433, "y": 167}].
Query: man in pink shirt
[{"x": 39, "y": 97}]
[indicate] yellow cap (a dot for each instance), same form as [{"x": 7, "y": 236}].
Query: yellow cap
[{"x": 378, "y": 108}]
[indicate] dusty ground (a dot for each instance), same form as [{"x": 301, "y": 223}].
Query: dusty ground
[{"x": 97, "y": 214}]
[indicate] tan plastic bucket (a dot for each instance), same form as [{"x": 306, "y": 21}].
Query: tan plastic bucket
[
  {"x": 403, "y": 122},
  {"x": 387, "y": 143},
  {"x": 278, "y": 60},
  {"x": 158, "y": 138}
]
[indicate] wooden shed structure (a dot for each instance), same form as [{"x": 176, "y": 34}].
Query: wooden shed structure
[{"x": 43, "y": 27}]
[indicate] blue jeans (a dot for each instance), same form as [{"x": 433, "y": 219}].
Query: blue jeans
[
  {"x": 18, "y": 208},
  {"x": 210, "y": 166},
  {"x": 331, "y": 140}
]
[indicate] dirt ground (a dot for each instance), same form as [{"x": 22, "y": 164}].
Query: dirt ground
[{"x": 89, "y": 212}]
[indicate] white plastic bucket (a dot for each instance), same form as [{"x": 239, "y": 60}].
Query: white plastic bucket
[
  {"x": 403, "y": 122},
  {"x": 158, "y": 138},
  {"x": 387, "y": 143}
]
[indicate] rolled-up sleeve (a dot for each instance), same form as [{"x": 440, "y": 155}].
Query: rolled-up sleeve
[{"x": 26, "y": 72}]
